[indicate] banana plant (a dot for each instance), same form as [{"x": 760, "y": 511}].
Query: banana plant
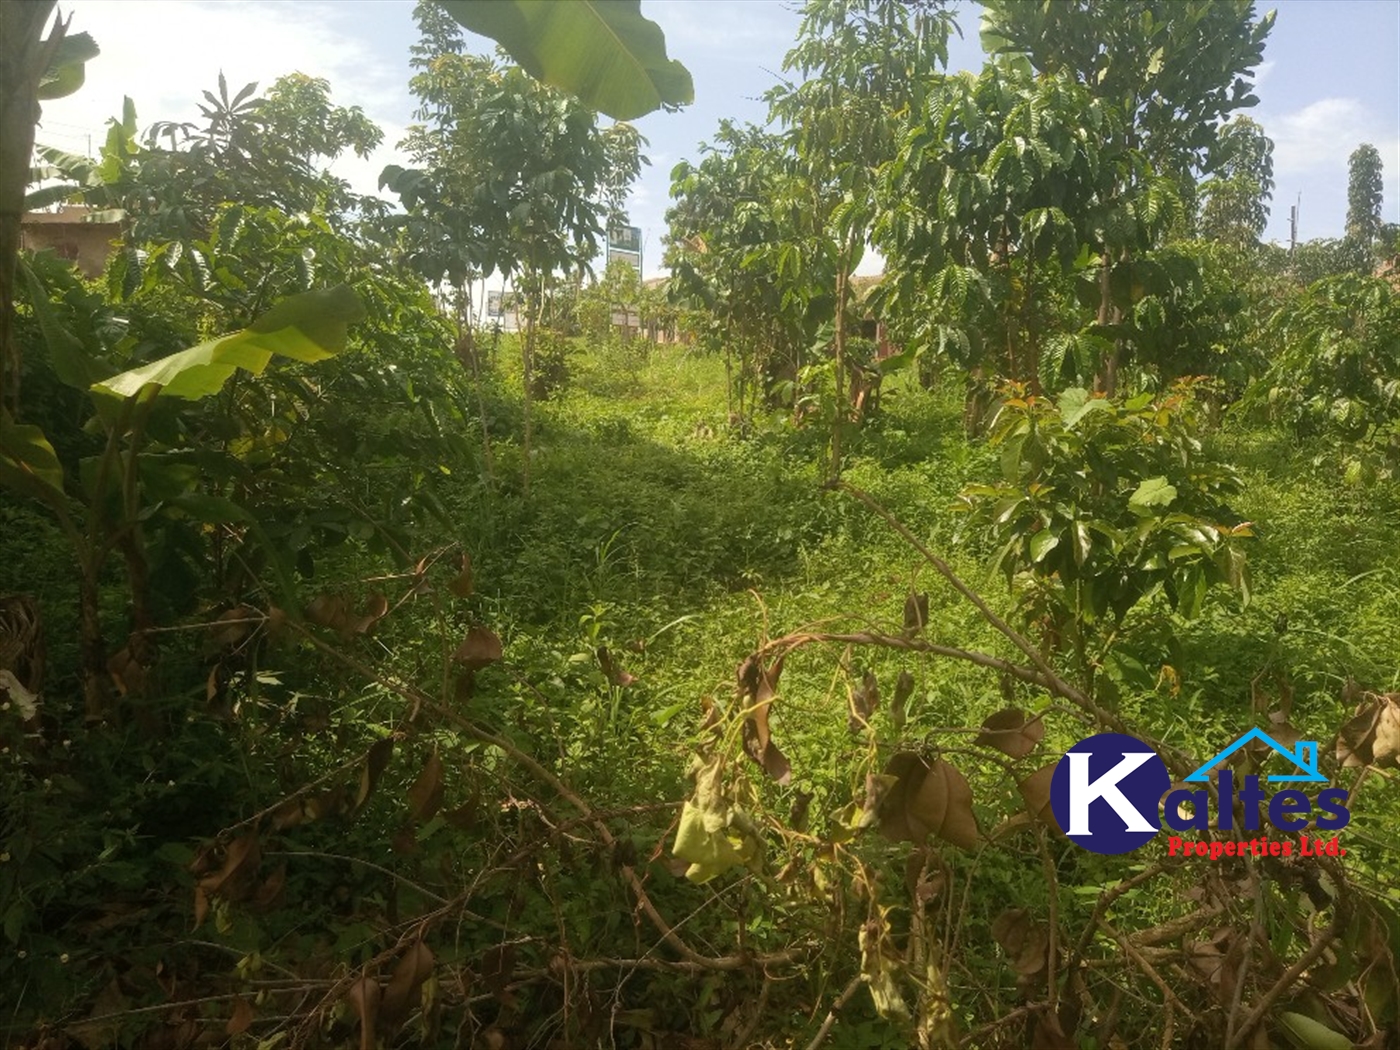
[{"x": 102, "y": 509}]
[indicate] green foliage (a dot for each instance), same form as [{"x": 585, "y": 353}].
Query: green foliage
[
  {"x": 1235, "y": 206},
  {"x": 1335, "y": 369},
  {"x": 604, "y": 53},
  {"x": 1101, "y": 505},
  {"x": 1365, "y": 185}
]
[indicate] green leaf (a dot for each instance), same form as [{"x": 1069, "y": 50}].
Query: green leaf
[
  {"x": 308, "y": 327},
  {"x": 65, "y": 73},
  {"x": 28, "y": 462},
  {"x": 601, "y": 51},
  {"x": 1042, "y": 543},
  {"x": 1154, "y": 492},
  {"x": 1308, "y": 1034},
  {"x": 70, "y": 360}
]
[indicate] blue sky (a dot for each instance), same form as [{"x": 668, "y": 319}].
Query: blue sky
[{"x": 1330, "y": 80}]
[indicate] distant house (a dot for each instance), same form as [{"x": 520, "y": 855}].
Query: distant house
[
  {"x": 872, "y": 327},
  {"x": 69, "y": 235}
]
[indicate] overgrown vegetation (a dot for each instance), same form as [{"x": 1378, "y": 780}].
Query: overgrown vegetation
[{"x": 369, "y": 678}]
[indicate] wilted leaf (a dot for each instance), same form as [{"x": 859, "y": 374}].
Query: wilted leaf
[
  {"x": 1035, "y": 789},
  {"x": 612, "y": 669},
  {"x": 425, "y": 796},
  {"x": 1009, "y": 732},
  {"x": 915, "y": 612},
  {"x": 25, "y": 702},
  {"x": 1025, "y": 941},
  {"x": 903, "y": 690},
  {"x": 271, "y": 889},
  {"x": 242, "y": 1018},
  {"x": 877, "y": 789},
  {"x": 480, "y": 648},
  {"x": 376, "y": 761},
  {"x": 714, "y": 834},
  {"x": 463, "y": 584},
  {"x": 865, "y": 698},
  {"x": 336, "y": 612},
  {"x": 415, "y": 966},
  {"x": 759, "y": 686},
  {"x": 232, "y": 627},
  {"x": 928, "y": 799},
  {"x": 497, "y": 968},
  {"x": 879, "y": 968},
  {"x": 364, "y": 996},
  {"x": 235, "y": 878}
]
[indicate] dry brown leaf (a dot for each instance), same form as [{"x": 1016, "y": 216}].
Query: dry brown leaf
[
  {"x": 270, "y": 892},
  {"x": 401, "y": 994},
  {"x": 336, "y": 612},
  {"x": 1035, "y": 789},
  {"x": 242, "y": 1018},
  {"x": 234, "y": 879},
  {"x": 915, "y": 612},
  {"x": 612, "y": 669},
  {"x": 480, "y": 648},
  {"x": 425, "y": 796},
  {"x": 364, "y": 996},
  {"x": 463, "y": 584},
  {"x": 759, "y": 688},
  {"x": 1025, "y": 941},
  {"x": 376, "y": 761},
  {"x": 927, "y": 799},
  {"x": 201, "y": 907},
  {"x": 903, "y": 690},
  {"x": 1010, "y": 733},
  {"x": 1385, "y": 747},
  {"x": 497, "y": 969},
  {"x": 864, "y": 699}
]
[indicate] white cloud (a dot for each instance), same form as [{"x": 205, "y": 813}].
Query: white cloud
[
  {"x": 164, "y": 55},
  {"x": 1323, "y": 134}
]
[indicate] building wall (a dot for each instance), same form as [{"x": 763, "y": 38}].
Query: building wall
[{"x": 87, "y": 244}]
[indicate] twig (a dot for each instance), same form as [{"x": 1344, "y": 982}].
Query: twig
[
  {"x": 1290, "y": 975},
  {"x": 533, "y": 766},
  {"x": 836, "y": 1008}
]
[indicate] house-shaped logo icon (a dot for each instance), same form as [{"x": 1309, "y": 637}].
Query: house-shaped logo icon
[{"x": 1304, "y": 756}]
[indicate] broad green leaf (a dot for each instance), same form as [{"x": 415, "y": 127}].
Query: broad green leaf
[
  {"x": 1042, "y": 543},
  {"x": 70, "y": 360},
  {"x": 65, "y": 73},
  {"x": 308, "y": 327},
  {"x": 1154, "y": 492},
  {"x": 601, "y": 51},
  {"x": 28, "y": 463},
  {"x": 1304, "y": 1032}
]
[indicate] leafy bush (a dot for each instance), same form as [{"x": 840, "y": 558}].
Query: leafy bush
[
  {"x": 1104, "y": 503},
  {"x": 1336, "y": 369}
]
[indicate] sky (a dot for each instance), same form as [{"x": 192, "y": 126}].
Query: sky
[{"x": 1330, "y": 80}]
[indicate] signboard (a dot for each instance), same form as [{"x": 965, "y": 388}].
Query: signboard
[
  {"x": 625, "y": 239},
  {"x": 493, "y": 304},
  {"x": 625, "y": 243}
]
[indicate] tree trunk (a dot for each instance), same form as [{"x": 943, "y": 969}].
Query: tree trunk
[{"x": 24, "y": 55}]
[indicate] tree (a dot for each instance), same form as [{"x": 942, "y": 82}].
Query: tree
[
  {"x": 1166, "y": 72},
  {"x": 1364, "y": 188},
  {"x": 740, "y": 247},
  {"x": 33, "y": 68},
  {"x": 1236, "y": 196},
  {"x": 865, "y": 64},
  {"x": 514, "y": 178}
]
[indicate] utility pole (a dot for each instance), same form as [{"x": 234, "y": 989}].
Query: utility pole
[{"x": 1293, "y": 224}]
